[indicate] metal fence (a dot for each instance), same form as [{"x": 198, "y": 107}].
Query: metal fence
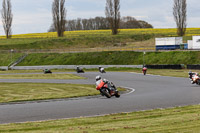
[{"x": 72, "y": 67}]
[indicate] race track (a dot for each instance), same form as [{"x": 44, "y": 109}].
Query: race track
[{"x": 150, "y": 92}]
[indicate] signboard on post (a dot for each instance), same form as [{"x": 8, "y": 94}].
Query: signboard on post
[{"x": 168, "y": 43}]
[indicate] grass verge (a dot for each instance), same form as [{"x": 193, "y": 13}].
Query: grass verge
[
  {"x": 16, "y": 92},
  {"x": 35, "y": 71},
  {"x": 161, "y": 72},
  {"x": 180, "y": 119},
  {"x": 13, "y": 92},
  {"x": 40, "y": 76},
  {"x": 168, "y": 72}
]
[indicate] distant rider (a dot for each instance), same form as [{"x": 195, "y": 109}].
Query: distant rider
[
  {"x": 193, "y": 77},
  {"x": 190, "y": 73},
  {"x": 144, "y": 70},
  {"x": 101, "y": 69},
  {"x": 79, "y": 70}
]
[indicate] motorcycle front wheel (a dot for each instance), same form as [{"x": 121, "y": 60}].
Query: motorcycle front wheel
[
  {"x": 198, "y": 81},
  {"x": 106, "y": 93},
  {"x": 117, "y": 95},
  {"x": 144, "y": 73}
]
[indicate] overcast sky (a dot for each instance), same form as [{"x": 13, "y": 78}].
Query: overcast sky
[{"x": 34, "y": 16}]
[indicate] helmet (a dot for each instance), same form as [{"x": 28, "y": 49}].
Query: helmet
[{"x": 98, "y": 78}]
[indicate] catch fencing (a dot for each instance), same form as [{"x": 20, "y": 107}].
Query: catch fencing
[
  {"x": 178, "y": 66},
  {"x": 193, "y": 66},
  {"x": 72, "y": 67}
]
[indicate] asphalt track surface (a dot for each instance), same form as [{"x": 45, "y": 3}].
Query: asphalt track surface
[{"x": 151, "y": 92}]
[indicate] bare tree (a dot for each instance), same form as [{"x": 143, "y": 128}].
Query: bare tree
[
  {"x": 112, "y": 12},
  {"x": 180, "y": 16},
  {"x": 59, "y": 16},
  {"x": 7, "y": 17}
]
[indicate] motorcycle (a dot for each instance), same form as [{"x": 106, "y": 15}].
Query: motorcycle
[
  {"x": 107, "y": 89},
  {"x": 47, "y": 71},
  {"x": 144, "y": 70},
  {"x": 79, "y": 70},
  {"x": 101, "y": 70},
  {"x": 194, "y": 77}
]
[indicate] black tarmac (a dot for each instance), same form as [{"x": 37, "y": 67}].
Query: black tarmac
[{"x": 151, "y": 92}]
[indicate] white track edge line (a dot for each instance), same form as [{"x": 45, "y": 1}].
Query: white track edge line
[{"x": 132, "y": 90}]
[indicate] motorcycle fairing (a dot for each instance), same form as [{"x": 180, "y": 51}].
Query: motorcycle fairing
[{"x": 100, "y": 84}]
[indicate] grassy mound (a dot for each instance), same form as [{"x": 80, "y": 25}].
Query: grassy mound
[
  {"x": 174, "y": 120},
  {"x": 112, "y": 58},
  {"x": 7, "y": 58},
  {"x": 15, "y": 92},
  {"x": 90, "y": 39}
]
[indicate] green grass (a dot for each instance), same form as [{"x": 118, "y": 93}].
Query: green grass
[
  {"x": 17, "y": 92},
  {"x": 35, "y": 71},
  {"x": 162, "y": 72},
  {"x": 40, "y": 76},
  {"x": 167, "y": 72},
  {"x": 13, "y": 92},
  {"x": 112, "y": 58},
  {"x": 73, "y": 41},
  {"x": 6, "y": 58},
  {"x": 173, "y": 120},
  {"x": 21, "y": 71}
]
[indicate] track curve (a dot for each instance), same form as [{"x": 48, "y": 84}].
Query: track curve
[{"x": 150, "y": 92}]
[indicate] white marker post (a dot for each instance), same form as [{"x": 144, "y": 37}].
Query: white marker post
[
  {"x": 144, "y": 58},
  {"x": 11, "y": 55}
]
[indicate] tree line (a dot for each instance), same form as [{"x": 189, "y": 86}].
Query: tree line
[
  {"x": 112, "y": 21},
  {"x": 100, "y": 23}
]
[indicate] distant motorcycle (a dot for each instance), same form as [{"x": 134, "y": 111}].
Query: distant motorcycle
[
  {"x": 107, "y": 89},
  {"x": 101, "y": 70},
  {"x": 79, "y": 70},
  {"x": 46, "y": 71},
  {"x": 194, "y": 77},
  {"x": 144, "y": 70}
]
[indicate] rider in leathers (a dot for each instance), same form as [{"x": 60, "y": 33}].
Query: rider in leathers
[{"x": 99, "y": 80}]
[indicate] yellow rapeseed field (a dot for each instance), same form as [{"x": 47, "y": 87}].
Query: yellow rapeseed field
[{"x": 72, "y": 34}]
